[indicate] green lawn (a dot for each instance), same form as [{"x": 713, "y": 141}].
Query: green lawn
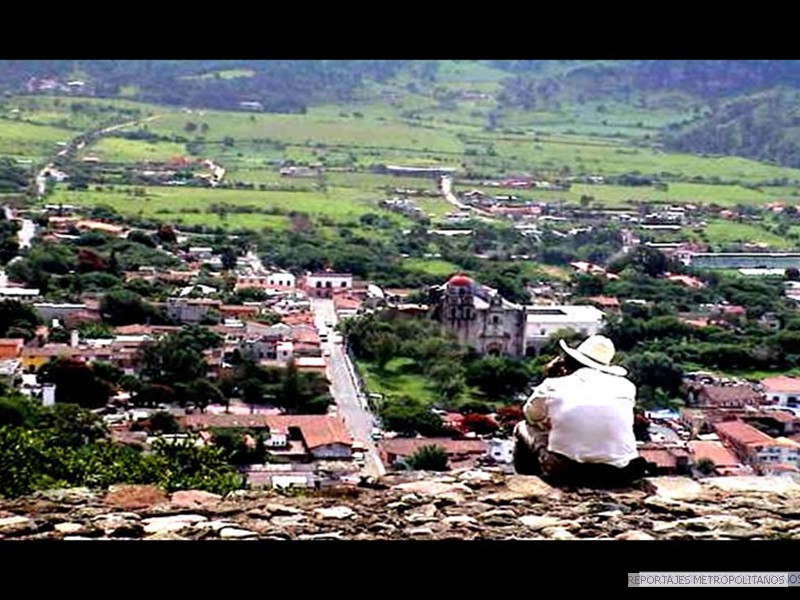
[
  {"x": 726, "y": 232},
  {"x": 341, "y": 205},
  {"x": 435, "y": 267},
  {"x": 29, "y": 140},
  {"x": 120, "y": 150},
  {"x": 396, "y": 380}
]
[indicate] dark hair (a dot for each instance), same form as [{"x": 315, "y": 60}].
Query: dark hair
[{"x": 571, "y": 364}]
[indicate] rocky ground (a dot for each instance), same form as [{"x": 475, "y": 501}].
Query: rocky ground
[{"x": 461, "y": 505}]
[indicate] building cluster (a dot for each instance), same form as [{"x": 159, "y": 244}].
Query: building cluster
[{"x": 729, "y": 427}]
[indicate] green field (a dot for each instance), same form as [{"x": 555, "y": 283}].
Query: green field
[
  {"x": 224, "y": 74},
  {"x": 435, "y": 267},
  {"x": 120, "y": 150},
  {"x": 340, "y": 205},
  {"x": 30, "y": 141},
  {"x": 730, "y": 232},
  {"x": 396, "y": 380}
]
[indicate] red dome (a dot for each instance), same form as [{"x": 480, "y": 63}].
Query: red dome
[{"x": 460, "y": 280}]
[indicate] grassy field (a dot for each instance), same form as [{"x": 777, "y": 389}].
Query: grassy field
[
  {"x": 726, "y": 232},
  {"x": 340, "y": 205},
  {"x": 30, "y": 141},
  {"x": 224, "y": 74},
  {"x": 395, "y": 381},
  {"x": 435, "y": 267},
  {"x": 120, "y": 150}
]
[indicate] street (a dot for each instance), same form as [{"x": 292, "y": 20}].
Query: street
[{"x": 356, "y": 416}]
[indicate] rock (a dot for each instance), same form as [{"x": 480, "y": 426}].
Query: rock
[
  {"x": 16, "y": 525},
  {"x": 233, "y": 533},
  {"x": 214, "y": 525},
  {"x": 659, "y": 526},
  {"x": 609, "y": 514},
  {"x": 336, "y": 512},
  {"x": 667, "y": 505},
  {"x": 558, "y": 533},
  {"x": 134, "y": 496},
  {"x": 68, "y": 527},
  {"x": 530, "y": 486},
  {"x": 281, "y": 510},
  {"x": 498, "y": 512},
  {"x": 172, "y": 523},
  {"x": 329, "y": 535},
  {"x": 716, "y": 523},
  {"x": 166, "y": 535},
  {"x": 194, "y": 499},
  {"x": 634, "y": 534},
  {"x": 420, "y": 518},
  {"x": 459, "y": 520},
  {"x": 126, "y": 530},
  {"x": 293, "y": 521},
  {"x": 537, "y": 522},
  {"x": 475, "y": 479},
  {"x": 432, "y": 488},
  {"x": 771, "y": 484},
  {"x": 379, "y": 527},
  {"x": 76, "y": 495},
  {"x": 673, "y": 488},
  {"x": 420, "y": 531}
]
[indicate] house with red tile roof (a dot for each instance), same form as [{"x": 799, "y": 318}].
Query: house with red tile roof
[
  {"x": 608, "y": 303},
  {"x": 459, "y": 452},
  {"x": 665, "y": 459},
  {"x": 725, "y": 461},
  {"x": 724, "y": 396},
  {"x": 756, "y": 448},
  {"x": 11, "y": 347},
  {"x": 782, "y": 390}
]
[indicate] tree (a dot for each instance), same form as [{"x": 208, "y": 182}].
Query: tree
[
  {"x": 123, "y": 307},
  {"x": 385, "y": 346},
  {"x": 163, "y": 422},
  {"x": 705, "y": 466},
  {"x": 409, "y": 417},
  {"x": 427, "y": 458},
  {"x": 792, "y": 274},
  {"x": 653, "y": 371},
  {"x": 498, "y": 377},
  {"x": 76, "y": 383}
]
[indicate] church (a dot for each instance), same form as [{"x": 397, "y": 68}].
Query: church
[{"x": 480, "y": 317}]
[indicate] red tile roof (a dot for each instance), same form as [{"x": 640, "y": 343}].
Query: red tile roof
[
  {"x": 407, "y": 446},
  {"x": 302, "y": 318},
  {"x": 715, "y": 452},
  {"x": 781, "y": 384},
  {"x": 307, "y": 335},
  {"x": 605, "y": 301},
  {"x": 661, "y": 458},
  {"x": 11, "y": 347},
  {"x": 743, "y": 433},
  {"x": 729, "y": 395}
]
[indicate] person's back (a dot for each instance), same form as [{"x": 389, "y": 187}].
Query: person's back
[
  {"x": 578, "y": 424},
  {"x": 591, "y": 418}
]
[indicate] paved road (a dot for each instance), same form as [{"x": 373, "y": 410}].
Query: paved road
[
  {"x": 27, "y": 230},
  {"x": 340, "y": 372}
]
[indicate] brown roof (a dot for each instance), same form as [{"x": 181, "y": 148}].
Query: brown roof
[
  {"x": 11, "y": 347},
  {"x": 317, "y": 430},
  {"x": 781, "y": 384},
  {"x": 717, "y": 394},
  {"x": 307, "y": 335},
  {"x": 661, "y": 458},
  {"x": 743, "y": 433},
  {"x": 606, "y": 301},
  {"x": 715, "y": 452},
  {"x": 407, "y": 446},
  {"x": 302, "y": 318}
]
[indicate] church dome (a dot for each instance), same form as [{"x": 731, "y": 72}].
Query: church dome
[{"x": 460, "y": 280}]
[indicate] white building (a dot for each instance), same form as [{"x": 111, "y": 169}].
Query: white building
[
  {"x": 544, "y": 321},
  {"x": 190, "y": 310},
  {"x": 286, "y": 280},
  {"x": 322, "y": 285},
  {"x": 284, "y": 351}
]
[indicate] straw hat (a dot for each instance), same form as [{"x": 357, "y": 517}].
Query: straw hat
[{"x": 595, "y": 352}]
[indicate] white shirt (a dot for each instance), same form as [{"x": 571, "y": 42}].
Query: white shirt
[{"x": 591, "y": 416}]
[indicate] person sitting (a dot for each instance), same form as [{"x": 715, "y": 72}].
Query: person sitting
[{"x": 578, "y": 427}]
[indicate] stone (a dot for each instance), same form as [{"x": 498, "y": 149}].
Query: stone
[
  {"x": 214, "y": 525},
  {"x": 609, "y": 514},
  {"x": 329, "y": 535},
  {"x": 659, "y": 526},
  {"x": 432, "y": 488},
  {"x": 166, "y": 535},
  {"x": 530, "y": 486},
  {"x": 420, "y": 518},
  {"x": 459, "y": 520},
  {"x": 293, "y": 521},
  {"x": 635, "y": 535},
  {"x": 134, "y": 496},
  {"x": 171, "y": 523},
  {"x": 770, "y": 484},
  {"x": 537, "y": 522},
  {"x": 233, "y": 533},
  {"x": 74, "y": 495},
  {"x": 16, "y": 525},
  {"x": 475, "y": 478},
  {"x": 194, "y": 499},
  {"x": 673, "y": 488},
  {"x": 281, "y": 510},
  {"x": 716, "y": 523},
  {"x": 420, "y": 531},
  {"x": 378, "y": 527},
  {"x": 675, "y": 507},
  {"x": 336, "y": 512},
  {"x": 68, "y": 527},
  {"x": 558, "y": 533},
  {"x": 126, "y": 530}
]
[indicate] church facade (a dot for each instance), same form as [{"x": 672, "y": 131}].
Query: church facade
[{"x": 480, "y": 317}]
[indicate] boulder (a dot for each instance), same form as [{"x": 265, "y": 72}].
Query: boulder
[
  {"x": 336, "y": 512},
  {"x": 194, "y": 499},
  {"x": 134, "y": 496},
  {"x": 673, "y": 488}
]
